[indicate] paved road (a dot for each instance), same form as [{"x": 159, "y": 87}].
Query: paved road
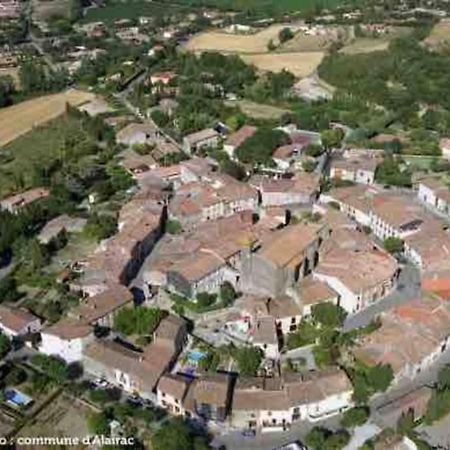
[{"x": 408, "y": 288}]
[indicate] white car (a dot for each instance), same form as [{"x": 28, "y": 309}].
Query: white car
[{"x": 100, "y": 383}]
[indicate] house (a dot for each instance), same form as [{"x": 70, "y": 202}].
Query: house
[
  {"x": 265, "y": 337},
  {"x": 286, "y": 155},
  {"x": 202, "y": 271},
  {"x": 395, "y": 216},
  {"x": 273, "y": 404},
  {"x": 436, "y": 194},
  {"x": 236, "y": 139},
  {"x": 209, "y": 397},
  {"x": 301, "y": 189},
  {"x": 162, "y": 77},
  {"x": 171, "y": 393},
  {"x": 411, "y": 338},
  {"x": 356, "y": 165},
  {"x": 66, "y": 339},
  {"x": 207, "y": 138},
  {"x": 444, "y": 145},
  {"x": 310, "y": 292},
  {"x": 16, "y": 202},
  {"x": 101, "y": 309},
  {"x": 260, "y": 403},
  {"x": 137, "y": 133},
  {"x": 18, "y": 322},
  {"x": 318, "y": 395},
  {"x": 286, "y": 312},
  {"x": 58, "y": 225},
  {"x": 354, "y": 201},
  {"x": 361, "y": 278},
  {"x": 137, "y": 371},
  {"x": 284, "y": 257},
  {"x": 219, "y": 195},
  {"x": 119, "y": 258}
]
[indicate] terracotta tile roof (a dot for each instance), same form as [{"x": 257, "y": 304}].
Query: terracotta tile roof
[
  {"x": 287, "y": 246},
  {"x": 15, "y": 319},
  {"x": 359, "y": 197},
  {"x": 265, "y": 331},
  {"x": 198, "y": 265},
  {"x": 199, "y": 136},
  {"x": 209, "y": 389},
  {"x": 239, "y": 137},
  {"x": 252, "y": 394},
  {"x": 314, "y": 291},
  {"x": 397, "y": 211},
  {"x": 24, "y": 198},
  {"x": 68, "y": 329},
  {"x": 101, "y": 305},
  {"x": 174, "y": 385},
  {"x": 145, "y": 367},
  {"x": 408, "y": 334},
  {"x": 316, "y": 386},
  {"x": 358, "y": 270}
]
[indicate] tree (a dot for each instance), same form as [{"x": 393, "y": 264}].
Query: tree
[
  {"x": 443, "y": 381},
  {"x": 100, "y": 227},
  {"x": 227, "y": 293},
  {"x": 393, "y": 245},
  {"x": 380, "y": 377},
  {"x": 390, "y": 172},
  {"x": 248, "y": 360},
  {"x": 160, "y": 118},
  {"x": 6, "y": 90},
  {"x": 38, "y": 255},
  {"x": 258, "y": 149},
  {"x": 205, "y": 300},
  {"x": 285, "y": 34},
  {"x": 137, "y": 320},
  {"x": 332, "y": 138},
  {"x": 328, "y": 314},
  {"x": 98, "y": 424},
  {"x": 5, "y": 345},
  {"x": 55, "y": 368},
  {"x": 175, "y": 435},
  {"x": 173, "y": 227},
  {"x": 355, "y": 417}
]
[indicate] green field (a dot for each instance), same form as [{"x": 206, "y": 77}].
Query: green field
[
  {"x": 277, "y": 6},
  {"x": 131, "y": 9}
]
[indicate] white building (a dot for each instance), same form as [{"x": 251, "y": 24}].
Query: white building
[
  {"x": 171, "y": 392},
  {"x": 359, "y": 277},
  {"x": 67, "y": 339},
  {"x": 15, "y": 322},
  {"x": 207, "y": 138},
  {"x": 274, "y": 404},
  {"x": 265, "y": 337},
  {"x": 436, "y": 194}
]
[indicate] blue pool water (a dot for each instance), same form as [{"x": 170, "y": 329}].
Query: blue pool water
[
  {"x": 17, "y": 398},
  {"x": 196, "y": 355}
]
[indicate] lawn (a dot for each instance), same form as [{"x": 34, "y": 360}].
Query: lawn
[{"x": 259, "y": 110}]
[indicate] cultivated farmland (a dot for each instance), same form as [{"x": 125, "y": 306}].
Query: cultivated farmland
[
  {"x": 301, "y": 64},
  {"x": 236, "y": 43},
  {"x": 19, "y": 119}
]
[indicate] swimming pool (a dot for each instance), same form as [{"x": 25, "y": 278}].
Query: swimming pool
[
  {"x": 17, "y": 398},
  {"x": 196, "y": 355}
]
